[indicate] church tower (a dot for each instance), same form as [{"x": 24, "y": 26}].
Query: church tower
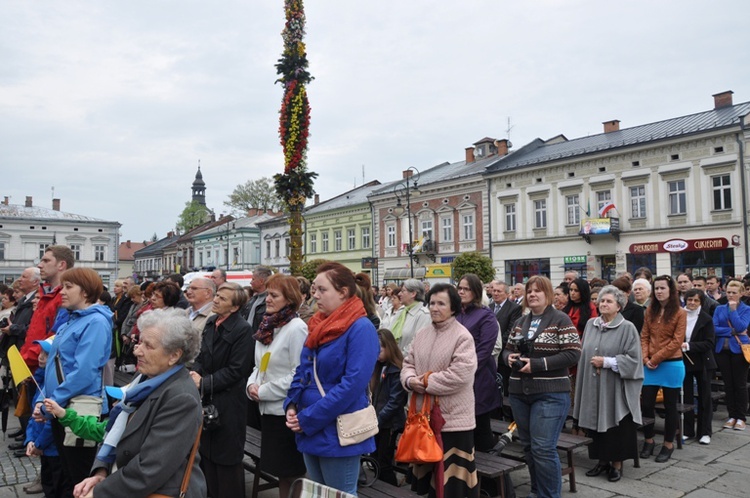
[{"x": 199, "y": 188}]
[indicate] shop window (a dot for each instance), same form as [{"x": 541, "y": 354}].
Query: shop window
[
  {"x": 705, "y": 263},
  {"x": 519, "y": 270}
]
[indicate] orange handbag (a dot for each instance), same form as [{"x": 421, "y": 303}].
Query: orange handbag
[{"x": 418, "y": 443}]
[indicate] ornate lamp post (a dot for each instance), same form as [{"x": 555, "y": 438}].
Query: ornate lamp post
[{"x": 408, "y": 189}]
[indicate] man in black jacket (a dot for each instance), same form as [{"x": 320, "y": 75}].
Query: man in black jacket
[{"x": 507, "y": 312}]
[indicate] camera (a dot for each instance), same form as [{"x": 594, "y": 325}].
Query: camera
[
  {"x": 525, "y": 347},
  {"x": 4, "y": 323}
]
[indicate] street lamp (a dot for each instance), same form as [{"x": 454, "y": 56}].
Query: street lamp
[{"x": 408, "y": 189}]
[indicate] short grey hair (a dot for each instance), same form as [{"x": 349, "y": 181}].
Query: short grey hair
[
  {"x": 210, "y": 285},
  {"x": 36, "y": 275},
  {"x": 263, "y": 272},
  {"x": 620, "y": 298},
  {"x": 177, "y": 332},
  {"x": 414, "y": 285},
  {"x": 643, "y": 282},
  {"x": 501, "y": 282}
]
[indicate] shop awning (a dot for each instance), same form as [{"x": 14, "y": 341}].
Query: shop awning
[{"x": 403, "y": 273}]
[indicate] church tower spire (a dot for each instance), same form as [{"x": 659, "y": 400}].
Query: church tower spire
[{"x": 199, "y": 187}]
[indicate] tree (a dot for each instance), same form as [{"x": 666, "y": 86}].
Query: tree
[
  {"x": 473, "y": 262},
  {"x": 154, "y": 237},
  {"x": 193, "y": 215},
  {"x": 254, "y": 194},
  {"x": 308, "y": 269}
]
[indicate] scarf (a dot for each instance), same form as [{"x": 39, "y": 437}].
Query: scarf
[
  {"x": 273, "y": 321},
  {"x": 132, "y": 396},
  {"x": 398, "y": 325},
  {"x": 324, "y": 329}
]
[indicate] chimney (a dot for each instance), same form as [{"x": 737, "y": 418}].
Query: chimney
[
  {"x": 127, "y": 244},
  {"x": 723, "y": 99},
  {"x": 55, "y": 204},
  {"x": 502, "y": 146},
  {"x": 316, "y": 201},
  {"x": 170, "y": 234},
  {"x": 469, "y": 155},
  {"x": 7, "y": 200},
  {"x": 610, "y": 126},
  {"x": 28, "y": 202}
]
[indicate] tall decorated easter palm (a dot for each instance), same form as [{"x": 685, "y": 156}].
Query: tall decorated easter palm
[{"x": 296, "y": 184}]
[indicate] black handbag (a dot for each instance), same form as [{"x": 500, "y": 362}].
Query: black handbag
[{"x": 211, "y": 420}]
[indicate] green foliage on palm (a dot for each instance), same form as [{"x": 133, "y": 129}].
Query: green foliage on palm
[{"x": 473, "y": 262}]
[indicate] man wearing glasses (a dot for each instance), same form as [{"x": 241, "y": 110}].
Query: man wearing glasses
[{"x": 200, "y": 295}]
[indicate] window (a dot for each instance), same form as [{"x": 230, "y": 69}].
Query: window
[
  {"x": 677, "y": 197},
  {"x": 99, "y": 251},
  {"x": 447, "y": 226},
  {"x": 287, "y": 246},
  {"x": 351, "y": 237},
  {"x": 603, "y": 198},
  {"x": 540, "y": 213},
  {"x": 365, "y": 237},
  {"x": 268, "y": 250},
  {"x": 42, "y": 249},
  {"x": 76, "y": 248},
  {"x": 235, "y": 255},
  {"x": 468, "y": 226},
  {"x": 638, "y": 201},
  {"x": 324, "y": 241},
  {"x": 391, "y": 236},
  {"x": 510, "y": 217},
  {"x": 427, "y": 230},
  {"x": 313, "y": 242},
  {"x": 337, "y": 240},
  {"x": 722, "y": 192},
  {"x": 276, "y": 248},
  {"x": 200, "y": 259},
  {"x": 2, "y": 251},
  {"x": 573, "y": 209}
]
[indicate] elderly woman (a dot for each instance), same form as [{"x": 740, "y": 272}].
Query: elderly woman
[
  {"x": 165, "y": 295},
  {"x": 151, "y": 432},
  {"x": 77, "y": 358},
  {"x": 730, "y": 323},
  {"x": 336, "y": 364},
  {"x": 280, "y": 337},
  {"x": 642, "y": 292},
  {"x": 220, "y": 372},
  {"x": 390, "y": 315},
  {"x": 608, "y": 386},
  {"x": 661, "y": 347},
  {"x": 446, "y": 349},
  {"x": 415, "y": 316},
  {"x": 698, "y": 356},
  {"x": 541, "y": 350},
  {"x": 482, "y": 324}
]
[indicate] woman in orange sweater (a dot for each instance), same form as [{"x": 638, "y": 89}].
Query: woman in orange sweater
[{"x": 661, "y": 344}]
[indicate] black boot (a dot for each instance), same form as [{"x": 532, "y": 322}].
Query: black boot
[{"x": 647, "y": 450}]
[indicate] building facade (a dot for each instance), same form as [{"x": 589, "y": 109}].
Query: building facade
[
  {"x": 234, "y": 245},
  {"x": 27, "y": 230},
  {"x": 665, "y": 195},
  {"x": 275, "y": 244}
]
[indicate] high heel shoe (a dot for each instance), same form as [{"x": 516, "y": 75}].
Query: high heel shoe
[
  {"x": 664, "y": 454},
  {"x": 647, "y": 450},
  {"x": 600, "y": 468}
]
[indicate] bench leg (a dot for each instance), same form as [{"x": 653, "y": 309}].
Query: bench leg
[
  {"x": 572, "y": 472},
  {"x": 501, "y": 485},
  {"x": 256, "y": 480}
]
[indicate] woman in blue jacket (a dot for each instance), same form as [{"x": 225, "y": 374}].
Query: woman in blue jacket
[
  {"x": 343, "y": 347},
  {"x": 730, "y": 323}
]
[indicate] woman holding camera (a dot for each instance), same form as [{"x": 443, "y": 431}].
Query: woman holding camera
[{"x": 543, "y": 346}]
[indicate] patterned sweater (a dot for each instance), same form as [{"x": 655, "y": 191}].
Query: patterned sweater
[
  {"x": 446, "y": 350},
  {"x": 556, "y": 348}
]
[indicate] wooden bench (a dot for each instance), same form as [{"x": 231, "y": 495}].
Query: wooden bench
[
  {"x": 494, "y": 467},
  {"x": 381, "y": 489},
  {"x": 566, "y": 442},
  {"x": 122, "y": 378},
  {"x": 252, "y": 450}
]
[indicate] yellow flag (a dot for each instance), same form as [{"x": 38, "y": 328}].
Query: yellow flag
[
  {"x": 18, "y": 367},
  {"x": 264, "y": 361}
]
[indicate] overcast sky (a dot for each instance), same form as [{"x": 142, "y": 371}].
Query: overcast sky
[{"x": 113, "y": 103}]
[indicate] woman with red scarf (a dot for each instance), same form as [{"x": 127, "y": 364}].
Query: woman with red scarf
[
  {"x": 342, "y": 348},
  {"x": 279, "y": 340}
]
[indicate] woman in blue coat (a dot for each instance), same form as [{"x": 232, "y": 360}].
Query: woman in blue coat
[
  {"x": 482, "y": 323},
  {"x": 342, "y": 346},
  {"x": 730, "y": 324}
]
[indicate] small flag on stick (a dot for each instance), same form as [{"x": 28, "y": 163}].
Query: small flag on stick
[{"x": 18, "y": 367}]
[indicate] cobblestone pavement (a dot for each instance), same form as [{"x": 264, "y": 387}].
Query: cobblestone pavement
[{"x": 718, "y": 470}]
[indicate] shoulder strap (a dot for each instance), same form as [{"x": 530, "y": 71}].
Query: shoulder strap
[
  {"x": 191, "y": 460},
  {"x": 315, "y": 373}
]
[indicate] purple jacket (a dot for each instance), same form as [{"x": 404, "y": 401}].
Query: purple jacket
[{"x": 482, "y": 324}]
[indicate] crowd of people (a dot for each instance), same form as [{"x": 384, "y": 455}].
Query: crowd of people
[{"x": 293, "y": 358}]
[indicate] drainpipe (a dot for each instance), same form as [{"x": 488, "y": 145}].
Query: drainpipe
[
  {"x": 740, "y": 137},
  {"x": 489, "y": 219}
]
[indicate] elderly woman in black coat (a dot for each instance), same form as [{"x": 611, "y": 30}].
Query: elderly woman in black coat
[{"x": 220, "y": 372}]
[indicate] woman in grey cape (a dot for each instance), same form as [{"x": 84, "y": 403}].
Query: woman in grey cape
[{"x": 608, "y": 386}]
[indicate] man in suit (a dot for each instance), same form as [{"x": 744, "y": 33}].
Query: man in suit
[
  {"x": 518, "y": 292},
  {"x": 506, "y": 312}
]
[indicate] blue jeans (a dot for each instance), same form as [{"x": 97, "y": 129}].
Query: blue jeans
[
  {"x": 341, "y": 473},
  {"x": 539, "y": 439}
]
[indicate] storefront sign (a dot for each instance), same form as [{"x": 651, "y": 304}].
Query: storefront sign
[
  {"x": 438, "y": 271},
  {"x": 680, "y": 245},
  {"x": 369, "y": 263},
  {"x": 572, "y": 260}
]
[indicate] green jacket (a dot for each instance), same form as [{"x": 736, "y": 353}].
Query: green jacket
[{"x": 87, "y": 427}]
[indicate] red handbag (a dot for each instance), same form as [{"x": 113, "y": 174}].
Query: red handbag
[{"x": 418, "y": 443}]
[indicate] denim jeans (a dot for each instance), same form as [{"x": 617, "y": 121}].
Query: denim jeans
[
  {"x": 540, "y": 418},
  {"x": 341, "y": 473}
]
